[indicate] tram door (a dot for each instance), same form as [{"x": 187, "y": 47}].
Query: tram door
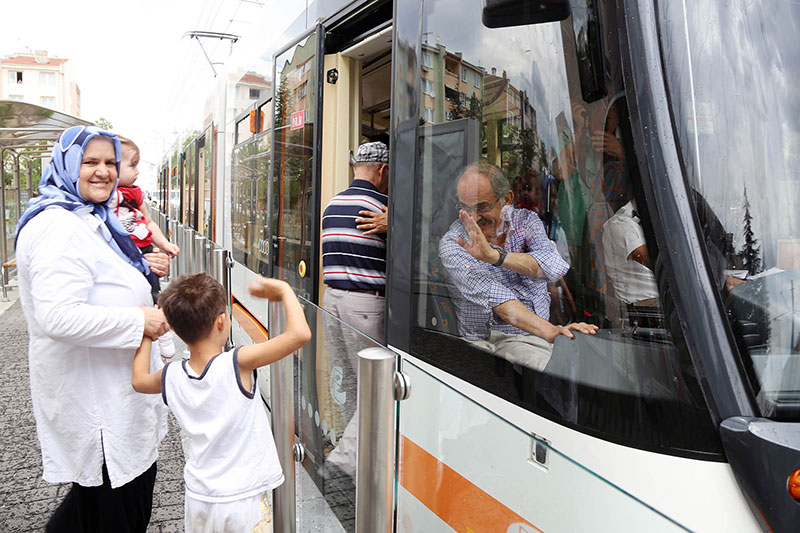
[
  {"x": 294, "y": 220},
  {"x": 329, "y": 98}
]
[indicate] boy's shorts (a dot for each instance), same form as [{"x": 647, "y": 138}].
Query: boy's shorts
[{"x": 251, "y": 514}]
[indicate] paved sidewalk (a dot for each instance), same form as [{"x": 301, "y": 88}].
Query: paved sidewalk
[{"x": 26, "y": 501}]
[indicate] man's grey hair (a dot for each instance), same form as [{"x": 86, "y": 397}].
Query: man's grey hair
[
  {"x": 370, "y": 165},
  {"x": 500, "y": 184}
]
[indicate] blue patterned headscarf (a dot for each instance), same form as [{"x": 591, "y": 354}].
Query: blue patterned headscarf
[{"x": 59, "y": 188}]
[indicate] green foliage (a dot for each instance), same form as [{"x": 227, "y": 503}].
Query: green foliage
[{"x": 104, "y": 124}]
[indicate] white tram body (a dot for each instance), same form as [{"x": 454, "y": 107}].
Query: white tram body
[{"x": 678, "y": 414}]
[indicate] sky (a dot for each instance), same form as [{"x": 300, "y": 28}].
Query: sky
[{"x": 130, "y": 59}]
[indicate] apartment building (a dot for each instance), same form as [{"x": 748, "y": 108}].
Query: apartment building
[{"x": 36, "y": 78}]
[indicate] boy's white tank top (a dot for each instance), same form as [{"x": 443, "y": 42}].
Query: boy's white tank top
[{"x": 231, "y": 450}]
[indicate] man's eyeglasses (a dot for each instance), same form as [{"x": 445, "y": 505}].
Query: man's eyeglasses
[{"x": 482, "y": 207}]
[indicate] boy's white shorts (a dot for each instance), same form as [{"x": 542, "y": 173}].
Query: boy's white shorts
[{"x": 251, "y": 514}]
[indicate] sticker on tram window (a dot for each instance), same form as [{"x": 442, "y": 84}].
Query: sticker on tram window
[
  {"x": 301, "y": 269},
  {"x": 298, "y": 119},
  {"x": 704, "y": 112}
]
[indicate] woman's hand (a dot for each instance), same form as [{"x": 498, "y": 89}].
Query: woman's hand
[
  {"x": 603, "y": 141},
  {"x": 155, "y": 323},
  {"x": 372, "y": 222},
  {"x": 159, "y": 262},
  {"x": 271, "y": 289}
]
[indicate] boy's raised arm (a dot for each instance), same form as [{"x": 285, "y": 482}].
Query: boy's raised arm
[
  {"x": 143, "y": 381},
  {"x": 297, "y": 332}
]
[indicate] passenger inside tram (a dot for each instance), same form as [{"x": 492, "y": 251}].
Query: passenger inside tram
[{"x": 499, "y": 260}]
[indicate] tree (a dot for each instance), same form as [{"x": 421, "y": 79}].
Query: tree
[
  {"x": 750, "y": 253},
  {"x": 103, "y": 124}
]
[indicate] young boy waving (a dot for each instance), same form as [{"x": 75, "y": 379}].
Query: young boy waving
[{"x": 232, "y": 461}]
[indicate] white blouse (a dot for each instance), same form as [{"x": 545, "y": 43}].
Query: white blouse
[{"x": 81, "y": 301}]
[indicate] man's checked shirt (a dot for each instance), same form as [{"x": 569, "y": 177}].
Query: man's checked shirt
[{"x": 478, "y": 287}]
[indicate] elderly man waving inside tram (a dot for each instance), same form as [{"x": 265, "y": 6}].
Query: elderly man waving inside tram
[{"x": 498, "y": 261}]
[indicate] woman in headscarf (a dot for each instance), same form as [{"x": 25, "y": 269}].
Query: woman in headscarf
[{"x": 86, "y": 297}]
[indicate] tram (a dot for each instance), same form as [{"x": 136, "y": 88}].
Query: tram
[{"x": 681, "y": 413}]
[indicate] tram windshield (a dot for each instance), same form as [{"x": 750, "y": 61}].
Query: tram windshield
[{"x": 734, "y": 84}]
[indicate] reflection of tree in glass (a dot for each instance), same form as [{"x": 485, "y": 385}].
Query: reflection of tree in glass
[
  {"x": 750, "y": 253},
  {"x": 281, "y": 102}
]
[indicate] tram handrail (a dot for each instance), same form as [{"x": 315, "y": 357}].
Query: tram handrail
[
  {"x": 281, "y": 386},
  {"x": 375, "y": 449}
]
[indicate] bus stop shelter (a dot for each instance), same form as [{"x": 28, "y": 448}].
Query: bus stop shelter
[{"x": 27, "y": 133}]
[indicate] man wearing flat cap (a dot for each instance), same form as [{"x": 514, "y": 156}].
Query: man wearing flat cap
[{"x": 354, "y": 269}]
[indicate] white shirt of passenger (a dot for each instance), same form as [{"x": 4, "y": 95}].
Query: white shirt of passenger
[
  {"x": 622, "y": 234},
  {"x": 231, "y": 451},
  {"x": 81, "y": 301}
]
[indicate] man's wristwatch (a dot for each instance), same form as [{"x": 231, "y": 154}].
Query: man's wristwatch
[{"x": 502, "y": 257}]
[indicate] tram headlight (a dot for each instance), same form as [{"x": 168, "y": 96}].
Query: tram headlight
[{"x": 793, "y": 485}]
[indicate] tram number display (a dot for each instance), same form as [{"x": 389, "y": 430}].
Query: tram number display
[{"x": 297, "y": 120}]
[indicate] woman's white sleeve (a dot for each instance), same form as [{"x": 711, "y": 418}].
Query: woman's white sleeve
[{"x": 60, "y": 279}]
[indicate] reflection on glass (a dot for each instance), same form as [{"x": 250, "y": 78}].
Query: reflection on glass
[
  {"x": 293, "y": 214},
  {"x": 740, "y": 143},
  {"x": 205, "y": 156},
  {"x": 190, "y": 185},
  {"x": 326, "y": 400},
  {"x": 555, "y": 190},
  {"x": 249, "y": 224},
  {"x": 175, "y": 187}
]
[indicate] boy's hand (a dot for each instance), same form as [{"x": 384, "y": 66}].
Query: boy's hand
[{"x": 271, "y": 289}]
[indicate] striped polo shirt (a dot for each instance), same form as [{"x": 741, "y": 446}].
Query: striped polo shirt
[{"x": 350, "y": 259}]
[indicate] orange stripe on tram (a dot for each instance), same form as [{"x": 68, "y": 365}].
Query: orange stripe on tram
[
  {"x": 451, "y": 496},
  {"x": 249, "y": 324}
]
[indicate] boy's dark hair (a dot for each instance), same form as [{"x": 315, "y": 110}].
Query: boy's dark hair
[{"x": 191, "y": 304}]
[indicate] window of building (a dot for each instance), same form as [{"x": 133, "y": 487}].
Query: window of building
[
  {"x": 16, "y": 98},
  {"x": 476, "y": 79},
  {"x": 427, "y": 59},
  {"x": 305, "y": 68},
  {"x": 255, "y": 94},
  {"x": 47, "y": 101},
  {"x": 302, "y": 90},
  {"x": 15, "y": 76},
  {"x": 427, "y": 87},
  {"x": 47, "y": 79},
  {"x": 463, "y": 73},
  {"x": 428, "y": 114}
]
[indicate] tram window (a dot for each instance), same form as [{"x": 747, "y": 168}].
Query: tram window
[
  {"x": 205, "y": 156},
  {"x": 190, "y": 186},
  {"x": 243, "y": 132},
  {"x": 266, "y": 115},
  {"x": 293, "y": 168},
  {"x": 249, "y": 222},
  {"x": 740, "y": 151},
  {"x": 175, "y": 187},
  {"x": 572, "y": 199}
]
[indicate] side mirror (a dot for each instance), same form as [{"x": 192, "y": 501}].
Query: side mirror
[{"x": 504, "y": 13}]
